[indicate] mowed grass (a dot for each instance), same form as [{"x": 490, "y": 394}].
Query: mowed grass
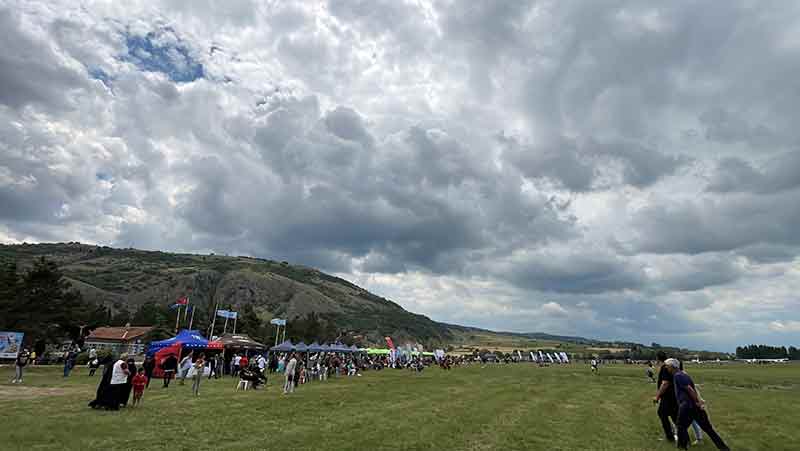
[{"x": 508, "y": 407}]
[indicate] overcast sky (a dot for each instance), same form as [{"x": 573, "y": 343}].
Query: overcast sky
[{"x": 616, "y": 170}]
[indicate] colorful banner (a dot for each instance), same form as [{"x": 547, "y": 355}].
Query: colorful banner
[
  {"x": 10, "y": 344},
  {"x": 278, "y": 321},
  {"x": 227, "y": 314},
  {"x": 389, "y": 342}
]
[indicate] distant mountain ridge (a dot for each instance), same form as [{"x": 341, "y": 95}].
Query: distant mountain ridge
[{"x": 125, "y": 279}]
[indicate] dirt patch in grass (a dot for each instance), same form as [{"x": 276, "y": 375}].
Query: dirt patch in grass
[{"x": 15, "y": 392}]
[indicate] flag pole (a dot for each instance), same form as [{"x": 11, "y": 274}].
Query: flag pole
[
  {"x": 225, "y": 328},
  {"x": 213, "y": 320},
  {"x": 191, "y": 320},
  {"x": 186, "y": 307},
  {"x": 177, "y": 317},
  {"x": 234, "y": 323}
]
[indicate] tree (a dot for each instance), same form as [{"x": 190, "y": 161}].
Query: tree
[
  {"x": 249, "y": 322},
  {"x": 45, "y": 306},
  {"x": 9, "y": 294}
]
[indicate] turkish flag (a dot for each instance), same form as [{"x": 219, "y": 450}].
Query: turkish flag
[{"x": 389, "y": 342}]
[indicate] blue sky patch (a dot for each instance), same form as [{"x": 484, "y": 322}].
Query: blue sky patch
[
  {"x": 163, "y": 52},
  {"x": 99, "y": 74}
]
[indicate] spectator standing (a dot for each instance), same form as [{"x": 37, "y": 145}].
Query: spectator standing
[
  {"x": 185, "y": 366},
  {"x": 220, "y": 366},
  {"x": 198, "y": 367},
  {"x": 19, "y": 364},
  {"x": 237, "y": 360},
  {"x": 119, "y": 377},
  {"x": 169, "y": 366},
  {"x": 140, "y": 381},
  {"x": 126, "y": 393},
  {"x": 148, "y": 366},
  {"x": 289, "y": 375}
]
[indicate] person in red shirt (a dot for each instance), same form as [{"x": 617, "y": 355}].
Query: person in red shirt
[
  {"x": 139, "y": 382},
  {"x": 244, "y": 362}
]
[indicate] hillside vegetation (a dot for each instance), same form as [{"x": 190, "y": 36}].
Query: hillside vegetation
[
  {"x": 126, "y": 279},
  {"x": 130, "y": 282}
]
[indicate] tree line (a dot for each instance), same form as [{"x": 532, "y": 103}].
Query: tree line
[
  {"x": 767, "y": 352},
  {"x": 44, "y": 306},
  {"x": 41, "y": 303}
]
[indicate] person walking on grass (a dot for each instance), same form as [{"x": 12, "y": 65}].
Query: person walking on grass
[
  {"x": 198, "y": 367},
  {"x": 650, "y": 372},
  {"x": 691, "y": 407},
  {"x": 19, "y": 364},
  {"x": 140, "y": 381},
  {"x": 69, "y": 361},
  {"x": 169, "y": 366},
  {"x": 149, "y": 366},
  {"x": 665, "y": 397},
  {"x": 288, "y": 386},
  {"x": 186, "y": 365},
  {"x": 668, "y": 407}
]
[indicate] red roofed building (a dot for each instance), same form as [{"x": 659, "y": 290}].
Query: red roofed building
[{"x": 119, "y": 340}]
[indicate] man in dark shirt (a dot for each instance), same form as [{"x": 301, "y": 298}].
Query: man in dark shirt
[
  {"x": 169, "y": 365},
  {"x": 668, "y": 407},
  {"x": 690, "y": 407}
]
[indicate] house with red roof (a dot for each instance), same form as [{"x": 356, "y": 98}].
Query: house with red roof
[{"x": 128, "y": 339}]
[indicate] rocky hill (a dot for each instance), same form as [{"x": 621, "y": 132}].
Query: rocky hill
[{"x": 124, "y": 279}]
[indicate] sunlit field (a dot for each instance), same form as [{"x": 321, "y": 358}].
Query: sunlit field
[{"x": 508, "y": 407}]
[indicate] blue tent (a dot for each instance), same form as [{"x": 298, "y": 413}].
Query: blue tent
[
  {"x": 286, "y": 346},
  {"x": 339, "y": 347},
  {"x": 186, "y": 338},
  {"x": 301, "y": 347},
  {"x": 354, "y": 348},
  {"x": 315, "y": 347}
]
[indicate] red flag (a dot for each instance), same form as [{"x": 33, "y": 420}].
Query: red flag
[
  {"x": 182, "y": 301},
  {"x": 389, "y": 342}
]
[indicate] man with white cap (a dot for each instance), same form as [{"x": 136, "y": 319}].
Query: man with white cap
[{"x": 691, "y": 407}]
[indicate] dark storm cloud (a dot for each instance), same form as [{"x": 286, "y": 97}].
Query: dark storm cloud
[
  {"x": 700, "y": 272},
  {"x": 577, "y": 273},
  {"x": 709, "y": 225},
  {"x": 769, "y": 253}
]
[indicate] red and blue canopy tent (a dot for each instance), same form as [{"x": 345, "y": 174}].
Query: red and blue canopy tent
[{"x": 186, "y": 339}]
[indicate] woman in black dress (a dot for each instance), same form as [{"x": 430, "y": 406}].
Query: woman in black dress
[{"x": 105, "y": 396}]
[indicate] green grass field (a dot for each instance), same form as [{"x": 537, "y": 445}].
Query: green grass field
[{"x": 508, "y": 407}]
